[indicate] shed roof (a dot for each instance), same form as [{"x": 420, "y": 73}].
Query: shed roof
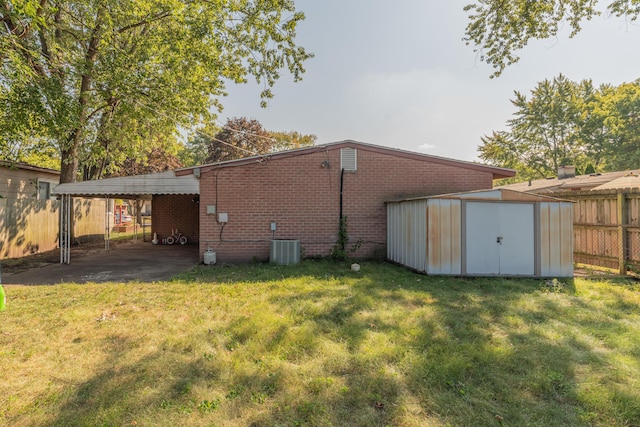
[
  {"x": 498, "y": 173},
  {"x": 133, "y": 187},
  {"x": 500, "y": 194}
]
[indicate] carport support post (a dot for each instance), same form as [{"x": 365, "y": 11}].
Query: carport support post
[
  {"x": 135, "y": 221},
  {"x": 107, "y": 226},
  {"x": 65, "y": 229},
  {"x": 622, "y": 233}
]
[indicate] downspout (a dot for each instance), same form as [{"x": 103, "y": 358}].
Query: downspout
[
  {"x": 341, "y": 186},
  {"x": 340, "y": 222}
]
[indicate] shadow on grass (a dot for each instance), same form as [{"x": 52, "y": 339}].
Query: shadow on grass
[
  {"x": 130, "y": 393},
  {"x": 388, "y": 347}
]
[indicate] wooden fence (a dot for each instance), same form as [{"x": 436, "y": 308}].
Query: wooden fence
[
  {"x": 606, "y": 228},
  {"x": 31, "y": 226}
]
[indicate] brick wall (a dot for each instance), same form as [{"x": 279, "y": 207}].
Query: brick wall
[
  {"x": 303, "y": 199},
  {"x": 175, "y": 211}
]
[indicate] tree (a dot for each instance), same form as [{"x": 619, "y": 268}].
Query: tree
[
  {"x": 619, "y": 113},
  {"x": 543, "y": 131},
  {"x": 158, "y": 160},
  {"x": 196, "y": 148},
  {"x": 498, "y": 28},
  {"x": 291, "y": 140},
  {"x": 242, "y": 137},
  {"x": 564, "y": 122},
  {"x": 94, "y": 78}
]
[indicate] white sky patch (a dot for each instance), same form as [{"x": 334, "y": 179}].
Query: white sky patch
[
  {"x": 425, "y": 148},
  {"x": 419, "y": 110},
  {"x": 398, "y": 74},
  {"x": 388, "y": 90}
]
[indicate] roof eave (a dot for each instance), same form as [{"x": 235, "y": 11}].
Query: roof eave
[{"x": 497, "y": 172}]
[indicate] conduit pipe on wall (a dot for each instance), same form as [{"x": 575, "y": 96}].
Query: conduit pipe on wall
[{"x": 341, "y": 186}]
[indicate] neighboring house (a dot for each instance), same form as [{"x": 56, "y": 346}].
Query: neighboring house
[
  {"x": 29, "y": 216},
  {"x": 568, "y": 181},
  {"x": 20, "y": 181},
  {"x": 301, "y": 195}
]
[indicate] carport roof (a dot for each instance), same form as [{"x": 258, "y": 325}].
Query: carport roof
[{"x": 133, "y": 187}]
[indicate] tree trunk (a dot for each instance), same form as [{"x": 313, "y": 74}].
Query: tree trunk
[
  {"x": 69, "y": 162},
  {"x": 69, "y": 152}
]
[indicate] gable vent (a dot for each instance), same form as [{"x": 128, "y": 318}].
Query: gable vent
[{"x": 349, "y": 159}]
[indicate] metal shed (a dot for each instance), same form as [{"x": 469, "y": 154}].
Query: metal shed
[{"x": 482, "y": 233}]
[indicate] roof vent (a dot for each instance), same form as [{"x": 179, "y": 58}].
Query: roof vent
[
  {"x": 565, "y": 172},
  {"x": 349, "y": 159}
]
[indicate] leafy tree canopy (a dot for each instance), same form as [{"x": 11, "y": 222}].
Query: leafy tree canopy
[
  {"x": 499, "y": 29},
  {"x": 242, "y": 137},
  {"x": 569, "y": 123},
  {"x": 156, "y": 158},
  {"x": 290, "y": 140},
  {"x": 97, "y": 80},
  {"x": 196, "y": 148}
]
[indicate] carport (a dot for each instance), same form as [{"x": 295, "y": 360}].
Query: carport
[{"x": 165, "y": 185}]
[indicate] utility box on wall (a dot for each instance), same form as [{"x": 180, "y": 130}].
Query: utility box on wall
[{"x": 483, "y": 233}]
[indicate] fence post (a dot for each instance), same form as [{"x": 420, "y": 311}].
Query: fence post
[{"x": 622, "y": 233}]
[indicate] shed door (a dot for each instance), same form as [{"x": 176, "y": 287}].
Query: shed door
[{"x": 500, "y": 238}]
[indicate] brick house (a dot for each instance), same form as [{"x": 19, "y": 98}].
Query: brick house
[{"x": 300, "y": 194}]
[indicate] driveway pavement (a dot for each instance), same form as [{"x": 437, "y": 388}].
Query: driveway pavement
[{"x": 123, "y": 263}]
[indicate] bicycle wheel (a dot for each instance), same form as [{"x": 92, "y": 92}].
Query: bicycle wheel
[
  {"x": 182, "y": 240},
  {"x": 171, "y": 240}
]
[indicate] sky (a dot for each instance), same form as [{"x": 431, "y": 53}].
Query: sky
[{"x": 398, "y": 74}]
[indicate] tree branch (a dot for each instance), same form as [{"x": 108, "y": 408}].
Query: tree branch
[
  {"x": 157, "y": 17},
  {"x": 11, "y": 25}
]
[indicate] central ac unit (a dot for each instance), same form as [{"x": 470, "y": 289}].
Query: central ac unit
[{"x": 284, "y": 252}]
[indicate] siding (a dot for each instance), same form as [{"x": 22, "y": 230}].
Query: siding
[
  {"x": 445, "y": 237},
  {"x": 407, "y": 234},
  {"x": 556, "y": 239},
  {"x": 22, "y": 183},
  {"x": 441, "y": 248}
]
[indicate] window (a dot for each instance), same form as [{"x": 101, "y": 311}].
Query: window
[
  {"x": 349, "y": 159},
  {"x": 44, "y": 190}
]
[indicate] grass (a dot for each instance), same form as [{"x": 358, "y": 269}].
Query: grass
[{"x": 321, "y": 345}]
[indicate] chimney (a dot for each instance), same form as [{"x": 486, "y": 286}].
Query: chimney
[{"x": 565, "y": 172}]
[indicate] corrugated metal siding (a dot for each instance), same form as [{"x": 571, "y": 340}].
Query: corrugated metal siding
[
  {"x": 407, "y": 233},
  {"x": 444, "y": 255},
  {"x": 427, "y": 234},
  {"x": 556, "y": 239},
  {"x": 155, "y": 183}
]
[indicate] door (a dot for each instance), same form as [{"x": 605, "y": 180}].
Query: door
[{"x": 500, "y": 238}]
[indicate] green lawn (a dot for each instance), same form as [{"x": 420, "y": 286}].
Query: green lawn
[{"x": 320, "y": 345}]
